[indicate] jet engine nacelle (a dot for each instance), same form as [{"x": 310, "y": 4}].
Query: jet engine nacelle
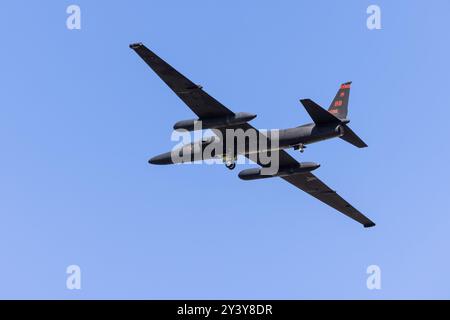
[
  {"x": 214, "y": 123},
  {"x": 255, "y": 173}
]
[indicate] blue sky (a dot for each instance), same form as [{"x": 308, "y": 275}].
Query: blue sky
[{"x": 81, "y": 114}]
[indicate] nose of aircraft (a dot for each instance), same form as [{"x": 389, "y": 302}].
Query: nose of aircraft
[{"x": 164, "y": 158}]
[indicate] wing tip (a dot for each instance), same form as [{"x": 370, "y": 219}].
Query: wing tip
[
  {"x": 306, "y": 101},
  {"x": 136, "y": 45},
  {"x": 369, "y": 224}
]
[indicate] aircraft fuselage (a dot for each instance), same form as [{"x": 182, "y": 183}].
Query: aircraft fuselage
[{"x": 296, "y": 138}]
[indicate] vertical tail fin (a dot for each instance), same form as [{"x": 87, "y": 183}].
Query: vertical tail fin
[{"x": 339, "y": 105}]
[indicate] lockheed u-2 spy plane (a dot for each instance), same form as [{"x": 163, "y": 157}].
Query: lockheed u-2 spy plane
[{"x": 213, "y": 115}]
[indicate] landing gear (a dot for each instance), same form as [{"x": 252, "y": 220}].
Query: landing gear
[
  {"x": 230, "y": 166},
  {"x": 230, "y": 163},
  {"x": 300, "y": 147}
]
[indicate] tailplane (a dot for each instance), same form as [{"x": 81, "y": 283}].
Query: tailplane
[
  {"x": 319, "y": 115},
  {"x": 352, "y": 138},
  {"x": 336, "y": 114}
]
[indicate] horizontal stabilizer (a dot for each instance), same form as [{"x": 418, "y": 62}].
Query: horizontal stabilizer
[
  {"x": 318, "y": 114},
  {"x": 352, "y": 138}
]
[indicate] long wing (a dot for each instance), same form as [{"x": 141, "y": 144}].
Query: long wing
[
  {"x": 319, "y": 190},
  {"x": 201, "y": 103}
]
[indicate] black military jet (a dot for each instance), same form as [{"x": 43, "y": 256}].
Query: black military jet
[{"x": 213, "y": 115}]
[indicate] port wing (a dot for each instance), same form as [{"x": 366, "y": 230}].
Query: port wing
[{"x": 201, "y": 103}]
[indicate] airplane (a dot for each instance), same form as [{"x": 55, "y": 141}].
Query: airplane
[{"x": 213, "y": 115}]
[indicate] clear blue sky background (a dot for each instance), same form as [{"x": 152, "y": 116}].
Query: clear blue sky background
[{"x": 81, "y": 114}]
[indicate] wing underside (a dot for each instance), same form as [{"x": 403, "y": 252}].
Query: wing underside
[
  {"x": 312, "y": 185},
  {"x": 201, "y": 103},
  {"x": 319, "y": 190}
]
